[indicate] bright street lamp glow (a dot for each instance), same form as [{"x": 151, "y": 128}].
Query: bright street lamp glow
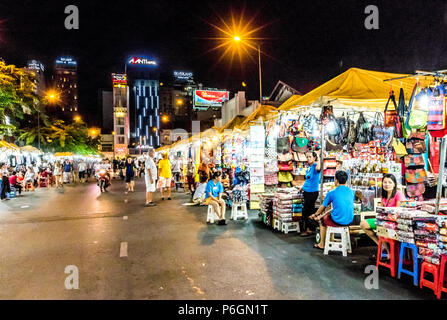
[{"x": 237, "y": 38}]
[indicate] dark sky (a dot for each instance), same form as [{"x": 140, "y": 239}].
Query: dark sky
[{"x": 305, "y": 40}]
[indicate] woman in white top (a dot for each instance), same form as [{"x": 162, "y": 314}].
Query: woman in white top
[
  {"x": 58, "y": 174},
  {"x": 29, "y": 179}
]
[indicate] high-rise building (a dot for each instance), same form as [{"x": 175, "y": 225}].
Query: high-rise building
[
  {"x": 144, "y": 117},
  {"x": 66, "y": 82},
  {"x": 120, "y": 114},
  {"x": 38, "y": 69}
]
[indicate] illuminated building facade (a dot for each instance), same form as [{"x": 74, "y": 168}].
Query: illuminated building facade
[
  {"x": 144, "y": 116},
  {"x": 65, "y": 80},
  {"x": 120, "y": 114}
]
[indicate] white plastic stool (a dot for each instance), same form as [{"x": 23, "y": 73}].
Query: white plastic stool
[
  {"x": 211, "y": 215},
  {"x": 239, "y": 210},
  {"x": 342, "y": 246},
  {"x": 290, "y": 227}
]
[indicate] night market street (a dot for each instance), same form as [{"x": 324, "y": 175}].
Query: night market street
[{"x": 171, "y": 253}]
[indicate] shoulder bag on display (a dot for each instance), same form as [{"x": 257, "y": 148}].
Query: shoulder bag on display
[
  {"x": 299, "y": 144},
  {"x": 285, "y": 157},
  {"x": 415, "y": 190},
  {"x": 285, "y": 177},
  {"x": 282, "y": 145},
  {"x": 399, "y": 148},
  {"x": 285, "y": 166},
  {"x": 352, "y": 134},
  {"x": 416, "y": 146},
  {"x": 436, "y": 111},
  {"x": 364, "y": 129},
  {"x": 390, "y": 115},
  {"x": 414, "y": 160},
  {"x": 415, "y": 175},
  {"x": 400, "y": 115}
]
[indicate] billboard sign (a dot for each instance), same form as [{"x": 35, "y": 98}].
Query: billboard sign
[
  {"x": 66, "y": 61},
  {"x": 142, "y": 61},
  {"x": 35, "y": 65},
  {"x": 182, "y": 75},
  {"x": 204, "y": 99},
  {"x": 119, "y": 79}
]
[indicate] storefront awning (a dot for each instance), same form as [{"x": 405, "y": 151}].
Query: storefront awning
[{"x": 358, "y": 88}]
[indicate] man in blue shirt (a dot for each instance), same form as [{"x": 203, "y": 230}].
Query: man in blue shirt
[
  {"x": 213, "y": 191},
  {"x": 342, "y": 213}
]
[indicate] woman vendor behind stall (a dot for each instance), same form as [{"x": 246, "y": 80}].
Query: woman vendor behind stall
[
  {"x": 311, "y": 189},
  {"x": 391, "y": 197}
]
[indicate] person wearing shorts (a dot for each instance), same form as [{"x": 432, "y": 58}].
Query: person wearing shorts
[
  {"x": 342, "y": 213},
  {"x": 213, "y": 191},
  {"x": 165, "y": 176},
  {"x": 150, "y": 175}
]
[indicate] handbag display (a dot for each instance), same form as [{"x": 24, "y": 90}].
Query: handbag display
[
  {"x": 391, "y": 116},
  {"x": 282, "y": 145},
  {"x": 284, "y": 157},
  {"x": 436, "y": 109},
  {"x": 416, "y": 146},
  {"x": 415, "y": 190},
  {"x": 363, "y": 129},
  {"x": 285, "y": 166},
  {"x": 417, "y": 115},
  {"x": 414, "y": 160},
  {"x": 415, "y": 175},
  {"x": 299, "y": 144},
  {"x": 285, "y": 177}
]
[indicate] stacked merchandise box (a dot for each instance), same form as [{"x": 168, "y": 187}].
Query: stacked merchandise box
[
  {"x": 442, "y": 236},
  {"x": 283, "y": 208},
  {"x": 386, "y": 221},
  {"x": 267, "y": 208},
  {"x": 426, "y": 231},
  {"x": 256, "y": 158}
]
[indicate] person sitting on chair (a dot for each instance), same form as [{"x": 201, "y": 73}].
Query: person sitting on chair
[
  {"x": 214, "y": 190},
  {"x": 342, "y": 213}
]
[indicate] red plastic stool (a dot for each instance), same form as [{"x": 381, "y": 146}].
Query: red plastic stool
[
  {"x": 392, "y": 255},
  {"x": 434, "y": 270},
  {"x": 442, "y": 274}
]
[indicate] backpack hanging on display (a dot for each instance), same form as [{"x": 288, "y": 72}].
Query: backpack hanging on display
[
  {"x": 352, "y": 134},
  {"x": 381, "y": 132},
  {"x": 436, "y": 111}
]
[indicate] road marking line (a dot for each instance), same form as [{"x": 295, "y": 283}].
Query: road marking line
[
  {"x": 123, "y": 249},
  {"x": 125, "y": 217}
]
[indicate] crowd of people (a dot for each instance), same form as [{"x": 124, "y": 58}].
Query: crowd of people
[{"x": 20, "y": 178}]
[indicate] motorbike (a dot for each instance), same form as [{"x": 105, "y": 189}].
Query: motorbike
[{"x": 103, "y": 180}]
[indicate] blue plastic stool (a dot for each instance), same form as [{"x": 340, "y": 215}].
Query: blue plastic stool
[{"x": 415, "y": 272}]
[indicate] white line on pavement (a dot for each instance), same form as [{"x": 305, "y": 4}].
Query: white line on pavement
[{"x": 123, "y": 249}]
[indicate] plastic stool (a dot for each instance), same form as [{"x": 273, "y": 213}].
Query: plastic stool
[
  {"x": 239, "y": 210},
  {"x": 343, "y": 246},
  {"x": 290, "y": 226},
  {"x": 392, "y": 264},
  {"x": 211, "y": 215},
  {"x": 442, "y": 274},
  {"x": 415, "y": 272},
  {"x": 434, "y": 270},
  {"x": 276, "y": 224}
]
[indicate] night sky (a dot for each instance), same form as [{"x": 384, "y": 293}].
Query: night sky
[{"x": 306, "y": 41}]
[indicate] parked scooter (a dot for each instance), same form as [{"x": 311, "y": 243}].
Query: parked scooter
[{"x": 103, "y": 180}]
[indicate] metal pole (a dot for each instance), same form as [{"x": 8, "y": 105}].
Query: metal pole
[
  {"x": 260, "y": 75},
  {"x": 323, "y": 148},
  {"x": 443, "y": 150},
  {"x": 38, "y": 128}
]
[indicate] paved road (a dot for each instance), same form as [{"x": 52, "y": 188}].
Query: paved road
[{"x": 171, "y": 253}]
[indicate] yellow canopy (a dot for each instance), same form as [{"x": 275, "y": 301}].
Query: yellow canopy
[
  {"x": 358, "y": 88},
  {"x": 63, "y": 154},
  {"x": 261, "y": 111},
  {"x": 8, "y": 145}
]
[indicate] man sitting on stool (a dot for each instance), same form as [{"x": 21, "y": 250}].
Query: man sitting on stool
[{"x": 342, "y": 213}]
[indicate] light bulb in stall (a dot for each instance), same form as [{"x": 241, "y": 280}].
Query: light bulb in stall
[{"x": 331, "y": 128}]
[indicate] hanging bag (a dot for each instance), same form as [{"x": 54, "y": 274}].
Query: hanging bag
[
  {"x": 415, "y": 190},
  {"x": 415, "y": 175},
  {"x": 390, "y": 115},
  {"x": 364, "y": 129},
  {"x": 417, "y": 115},
  {"x": 436, "y": 111}
]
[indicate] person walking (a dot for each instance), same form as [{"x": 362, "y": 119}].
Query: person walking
[
  {"x": 150, "y": 175},
  {"x": 82, "y": 167},
  {"x": 165, "y": 176},
  {"x": 130, "y": 174},
  {"x": 176, "y": 165},
  {"x": 75, "y": 170},
  {"x": 190, "y": 173},
  {"x": 58, "y": 174},
  {"x": 67, "y": 171}
]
